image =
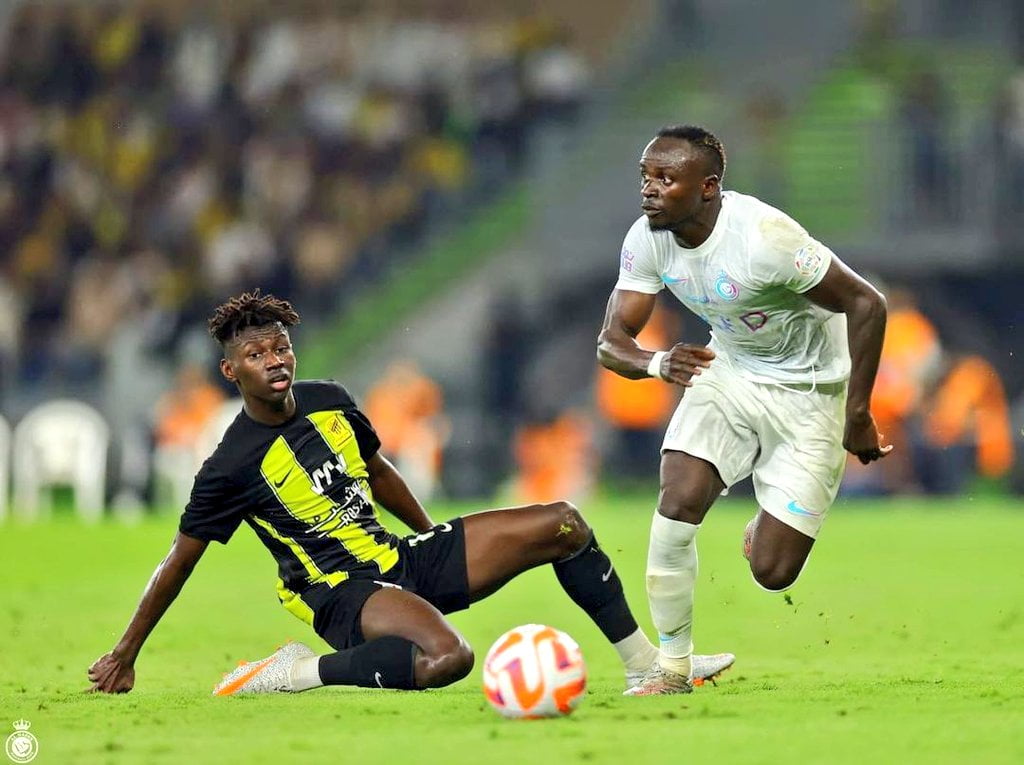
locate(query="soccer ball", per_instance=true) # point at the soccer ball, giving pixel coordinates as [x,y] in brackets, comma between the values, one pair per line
[534,671]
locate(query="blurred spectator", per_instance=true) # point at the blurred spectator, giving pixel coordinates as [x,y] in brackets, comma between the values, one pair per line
[638,410]
[181,414]
[910,364]
[925,114]
[966,428]
[1009,146]
[555,460]
[406,409]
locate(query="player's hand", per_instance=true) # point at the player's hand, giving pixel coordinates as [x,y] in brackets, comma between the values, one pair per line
[862,438]
[111,674]
[684,361]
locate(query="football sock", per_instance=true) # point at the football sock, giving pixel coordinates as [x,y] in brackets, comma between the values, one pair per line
[305,673]
[589,578]
[636,651]
[386,662]
[671,574]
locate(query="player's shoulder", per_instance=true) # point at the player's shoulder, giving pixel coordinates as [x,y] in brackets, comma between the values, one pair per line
[312,394]
[768,225]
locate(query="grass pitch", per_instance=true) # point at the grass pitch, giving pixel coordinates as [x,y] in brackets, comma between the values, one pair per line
[902,642]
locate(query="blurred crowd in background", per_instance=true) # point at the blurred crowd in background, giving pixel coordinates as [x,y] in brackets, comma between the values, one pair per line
[156,158]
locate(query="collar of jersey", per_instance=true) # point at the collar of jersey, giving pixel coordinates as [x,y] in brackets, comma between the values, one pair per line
[712,241]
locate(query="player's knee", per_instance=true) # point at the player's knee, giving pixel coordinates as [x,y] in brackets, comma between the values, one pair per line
[447,666]
[571,530]
[682,503]
[774,576]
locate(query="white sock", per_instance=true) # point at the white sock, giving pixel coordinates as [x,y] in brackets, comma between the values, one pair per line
[305,673]
[671,574]
[636,651]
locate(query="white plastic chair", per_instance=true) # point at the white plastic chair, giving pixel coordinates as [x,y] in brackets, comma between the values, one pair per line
[5,467]
[177,467]
[61,442]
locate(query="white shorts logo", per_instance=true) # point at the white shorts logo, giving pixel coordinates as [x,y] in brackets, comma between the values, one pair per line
[21,745]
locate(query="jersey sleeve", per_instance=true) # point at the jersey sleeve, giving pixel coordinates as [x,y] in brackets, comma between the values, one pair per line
[366,436]
[213,511]
[789,256]
[638,267]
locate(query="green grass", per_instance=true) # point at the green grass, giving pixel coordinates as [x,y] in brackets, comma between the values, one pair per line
[901,643]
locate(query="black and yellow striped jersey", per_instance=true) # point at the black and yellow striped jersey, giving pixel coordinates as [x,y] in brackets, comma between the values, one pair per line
[303,488]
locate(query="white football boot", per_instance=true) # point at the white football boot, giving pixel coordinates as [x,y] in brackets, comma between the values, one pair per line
[703,668]
[658,681]
[270,675]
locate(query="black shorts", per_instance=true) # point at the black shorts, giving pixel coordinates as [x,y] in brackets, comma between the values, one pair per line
[431,565]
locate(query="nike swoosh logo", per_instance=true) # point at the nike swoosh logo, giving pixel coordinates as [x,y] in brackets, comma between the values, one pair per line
[378,679]
[279,484]
[235,685]
[608,574]
[674,280]
[793,507]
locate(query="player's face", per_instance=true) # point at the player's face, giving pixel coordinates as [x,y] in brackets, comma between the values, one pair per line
[674,183]
[261,361]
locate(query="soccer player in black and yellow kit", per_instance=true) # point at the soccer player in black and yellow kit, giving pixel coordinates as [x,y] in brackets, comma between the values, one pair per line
[301,466]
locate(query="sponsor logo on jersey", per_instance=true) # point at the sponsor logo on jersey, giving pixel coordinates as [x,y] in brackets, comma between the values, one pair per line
[627,260]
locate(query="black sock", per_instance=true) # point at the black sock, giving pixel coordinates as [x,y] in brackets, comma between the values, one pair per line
[591,581]
[386,662]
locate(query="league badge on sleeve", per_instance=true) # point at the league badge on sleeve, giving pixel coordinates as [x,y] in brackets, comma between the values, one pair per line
[808,259]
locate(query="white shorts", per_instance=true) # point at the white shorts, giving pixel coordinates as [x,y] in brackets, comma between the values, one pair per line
[789,437]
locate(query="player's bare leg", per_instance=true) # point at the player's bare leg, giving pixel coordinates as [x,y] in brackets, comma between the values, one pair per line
[777,552]
[441,655]
[501,544]
[689,486]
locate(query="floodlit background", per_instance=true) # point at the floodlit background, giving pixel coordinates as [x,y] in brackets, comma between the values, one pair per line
[442,186]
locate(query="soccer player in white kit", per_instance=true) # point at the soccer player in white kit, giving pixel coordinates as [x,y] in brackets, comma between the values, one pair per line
[781,391]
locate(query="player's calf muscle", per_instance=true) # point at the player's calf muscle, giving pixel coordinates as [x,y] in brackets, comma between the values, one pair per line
[437,671]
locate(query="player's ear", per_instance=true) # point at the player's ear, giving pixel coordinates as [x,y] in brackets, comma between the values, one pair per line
[712,185]
[227,370]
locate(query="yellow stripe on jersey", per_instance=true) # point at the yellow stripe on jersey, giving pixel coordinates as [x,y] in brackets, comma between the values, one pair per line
[314,574]
[337,432]
[294,603]
[294,488]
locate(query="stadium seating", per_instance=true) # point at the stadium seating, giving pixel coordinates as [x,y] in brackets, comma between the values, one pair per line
[61,443]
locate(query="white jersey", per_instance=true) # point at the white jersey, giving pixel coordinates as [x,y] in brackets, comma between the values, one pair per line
[746,281]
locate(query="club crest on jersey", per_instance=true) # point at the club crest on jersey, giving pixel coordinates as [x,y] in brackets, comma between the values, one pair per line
[808,259]
[725,288]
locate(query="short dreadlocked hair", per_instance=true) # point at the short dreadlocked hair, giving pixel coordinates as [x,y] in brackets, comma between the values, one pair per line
[250,309]
[701,139]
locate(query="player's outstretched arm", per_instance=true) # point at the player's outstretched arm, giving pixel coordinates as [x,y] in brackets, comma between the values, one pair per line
[844,291]
[617,349]
[114,672]
[392,492]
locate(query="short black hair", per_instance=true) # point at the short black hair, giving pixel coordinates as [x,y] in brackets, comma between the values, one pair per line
[250,309]
[703,139]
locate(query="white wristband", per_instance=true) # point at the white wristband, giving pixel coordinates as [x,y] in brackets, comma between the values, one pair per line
[654,366]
